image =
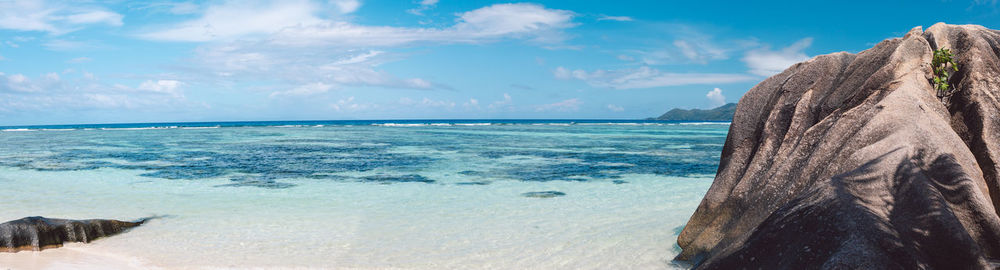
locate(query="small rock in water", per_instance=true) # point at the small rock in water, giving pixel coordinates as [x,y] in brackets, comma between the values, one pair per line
[619,182]
[543,194]
[476,183]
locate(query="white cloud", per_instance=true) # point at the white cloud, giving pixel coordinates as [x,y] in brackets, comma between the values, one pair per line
[568,105]
[472,103]
[716,98]
[346,6]
[19,83]
[183,8]
[426,103]
[14,43]
[615,18]
[616,108]
[176,8]
[95,17]
[417,83]
[294,24]
[697,51]
[348,105]
[70,45]
[169,87]
[505,104]
[689,45]
[251,41]
[503,19]
[646,77]
[17,78]
[50,91]
[358,58]
[424,6]
[79,60]
[235,19]
[53,17]
[562,73]
[686,49]
[304,90]
[765,62]
[296,67]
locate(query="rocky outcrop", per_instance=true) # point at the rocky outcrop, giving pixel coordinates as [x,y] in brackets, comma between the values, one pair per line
[38,233]
[852,161]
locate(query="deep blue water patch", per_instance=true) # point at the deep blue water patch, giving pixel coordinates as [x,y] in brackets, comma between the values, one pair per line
[388,179]
[249,181]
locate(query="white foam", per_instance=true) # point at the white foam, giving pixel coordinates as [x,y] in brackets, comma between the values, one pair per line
[400,125]
[141,128]
[704,123]
[620,124]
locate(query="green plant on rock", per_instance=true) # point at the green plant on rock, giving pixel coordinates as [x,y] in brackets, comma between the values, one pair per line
[942,63]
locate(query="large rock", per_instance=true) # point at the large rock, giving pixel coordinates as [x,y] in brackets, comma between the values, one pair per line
[852,161]
[38,233]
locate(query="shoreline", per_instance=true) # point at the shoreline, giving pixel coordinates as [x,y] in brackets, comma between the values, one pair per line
[635,228]
[72,256]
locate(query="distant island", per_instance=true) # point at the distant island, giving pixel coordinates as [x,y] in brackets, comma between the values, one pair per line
[721,113]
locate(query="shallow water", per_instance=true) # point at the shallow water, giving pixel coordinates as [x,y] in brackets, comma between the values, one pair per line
[444,195]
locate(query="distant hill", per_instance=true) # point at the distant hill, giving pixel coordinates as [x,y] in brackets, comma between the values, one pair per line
[721,113]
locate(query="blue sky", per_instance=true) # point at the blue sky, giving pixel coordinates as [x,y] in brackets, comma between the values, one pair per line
[133,61]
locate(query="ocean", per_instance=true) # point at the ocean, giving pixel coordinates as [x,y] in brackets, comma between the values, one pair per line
[402,194]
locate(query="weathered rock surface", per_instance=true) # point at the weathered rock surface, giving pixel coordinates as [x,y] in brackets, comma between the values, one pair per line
[38,233]
[852,161]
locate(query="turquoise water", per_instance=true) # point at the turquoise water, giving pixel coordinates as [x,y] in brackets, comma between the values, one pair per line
[365,194]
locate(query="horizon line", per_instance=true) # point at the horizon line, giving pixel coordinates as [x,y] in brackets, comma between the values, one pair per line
[361,120]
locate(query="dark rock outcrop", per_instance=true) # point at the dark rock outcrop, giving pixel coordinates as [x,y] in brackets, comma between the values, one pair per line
[543,194]
[721,113]
[851,161]
[38,233]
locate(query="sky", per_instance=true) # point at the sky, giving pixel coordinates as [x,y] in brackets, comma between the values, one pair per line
[75,62]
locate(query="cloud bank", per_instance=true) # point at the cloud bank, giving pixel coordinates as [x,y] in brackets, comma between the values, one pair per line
[646,77]
[765,62]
